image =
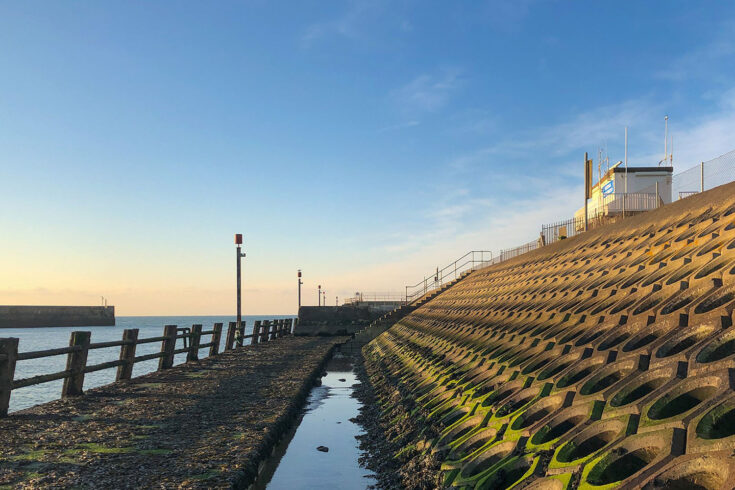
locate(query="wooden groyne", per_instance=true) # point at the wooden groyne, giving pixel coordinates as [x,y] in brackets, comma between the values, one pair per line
[80,344]
[206,423]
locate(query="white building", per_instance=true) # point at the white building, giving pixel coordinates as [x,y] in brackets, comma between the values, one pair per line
[607,197]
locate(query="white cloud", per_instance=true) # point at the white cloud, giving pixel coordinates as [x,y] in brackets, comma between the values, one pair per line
[700,62]
[428,92]
[394,127]
[508,15]
[348,25]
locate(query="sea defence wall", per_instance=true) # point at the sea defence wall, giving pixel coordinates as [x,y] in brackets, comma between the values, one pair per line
[335,320]
[56,316]
[605,360]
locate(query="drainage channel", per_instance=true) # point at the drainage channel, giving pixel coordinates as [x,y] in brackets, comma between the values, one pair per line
[325,423]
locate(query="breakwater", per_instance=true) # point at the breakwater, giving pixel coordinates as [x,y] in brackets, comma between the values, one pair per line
[334,320]
[12,316]
[604,360]
[209,423]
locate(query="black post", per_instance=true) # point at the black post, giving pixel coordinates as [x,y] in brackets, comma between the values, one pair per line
[300,283]
[241,334]
[8,356]
[216,336]
[240,255]
[75,363]
[230,339]
[168,346]
[194,341]
[256,332]
[127,354]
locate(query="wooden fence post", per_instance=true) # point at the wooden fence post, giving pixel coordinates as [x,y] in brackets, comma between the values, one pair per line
[76,361]
[127,354]
[8,356]
[295,324]
[230,339]
[241,333]
[281,327]
[289,324]
[216,336]
[274,328]
[194,341]
[256,332]
[264,330]
[168,346]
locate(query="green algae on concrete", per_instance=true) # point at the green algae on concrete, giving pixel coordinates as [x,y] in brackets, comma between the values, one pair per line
[632,321]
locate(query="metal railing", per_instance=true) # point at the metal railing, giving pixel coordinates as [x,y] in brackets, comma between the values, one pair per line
[509,253]
[80,344]
[469,261]
[375,297]
[561,230]
[619,203]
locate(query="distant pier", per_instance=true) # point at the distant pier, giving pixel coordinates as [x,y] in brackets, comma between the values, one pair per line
[12,316]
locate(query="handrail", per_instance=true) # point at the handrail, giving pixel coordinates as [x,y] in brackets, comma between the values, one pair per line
[80,345]
[440,275]
[375,297]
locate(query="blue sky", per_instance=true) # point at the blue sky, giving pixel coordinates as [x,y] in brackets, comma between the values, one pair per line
[365,142]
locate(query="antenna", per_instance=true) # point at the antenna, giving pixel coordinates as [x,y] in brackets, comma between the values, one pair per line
[666,137]
[626,163]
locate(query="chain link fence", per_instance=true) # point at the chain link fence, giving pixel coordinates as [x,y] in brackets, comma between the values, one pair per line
[705,176]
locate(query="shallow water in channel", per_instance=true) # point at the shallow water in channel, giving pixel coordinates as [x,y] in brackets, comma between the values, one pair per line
[297,464]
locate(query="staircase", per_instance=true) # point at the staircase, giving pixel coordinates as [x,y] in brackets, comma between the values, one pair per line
[389,319]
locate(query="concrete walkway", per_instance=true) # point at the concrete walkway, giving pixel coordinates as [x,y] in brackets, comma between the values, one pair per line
[199,425]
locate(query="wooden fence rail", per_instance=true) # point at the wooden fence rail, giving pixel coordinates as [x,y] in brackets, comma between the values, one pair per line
[80,344]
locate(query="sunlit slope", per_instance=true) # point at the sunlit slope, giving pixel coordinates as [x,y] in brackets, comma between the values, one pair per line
[600,361]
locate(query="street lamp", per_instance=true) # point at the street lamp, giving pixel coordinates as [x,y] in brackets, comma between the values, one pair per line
[240,255]
[300,283]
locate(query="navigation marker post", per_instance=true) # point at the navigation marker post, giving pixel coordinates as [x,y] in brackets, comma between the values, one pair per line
[240,255]
[300,283]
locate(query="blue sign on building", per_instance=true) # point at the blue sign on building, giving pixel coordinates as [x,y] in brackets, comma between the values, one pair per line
[608,188]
